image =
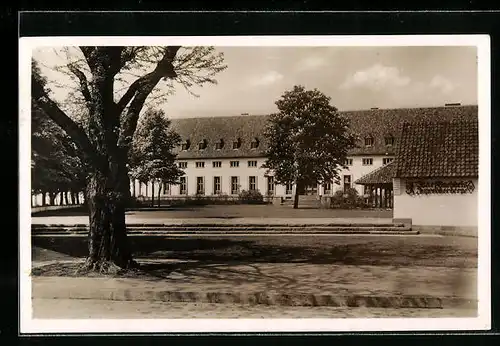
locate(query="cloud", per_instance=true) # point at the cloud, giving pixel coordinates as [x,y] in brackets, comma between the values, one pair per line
[312,62]
[376,77]
[268,78]
[441,83]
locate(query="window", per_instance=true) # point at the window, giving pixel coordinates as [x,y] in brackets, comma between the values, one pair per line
[387,160]
[389,141]
[186,144]
[217,164]
[289,187]
[252,183]
[166,189]
[347,182]
[202,145]
[252,163]
[327,187]
[237,144]
[234,163]
[200,186]
[348,162]
[254,144]
[183,164]
[367,162]
[235,187]
[200,164]
[368,141]
[270,185]
[217,185]
[220,144]
[183,186]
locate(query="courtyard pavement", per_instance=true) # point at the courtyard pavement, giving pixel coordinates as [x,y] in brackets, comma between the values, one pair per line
[285,284]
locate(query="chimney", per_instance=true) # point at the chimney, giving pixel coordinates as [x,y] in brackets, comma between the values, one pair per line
[452,104]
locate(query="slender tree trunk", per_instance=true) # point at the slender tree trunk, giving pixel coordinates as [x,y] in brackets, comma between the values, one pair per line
[44,200]
[73,199]
[152,193]
[61,198]
[159,191]
[77,197]
[66,197]
[52,198]
[298,189]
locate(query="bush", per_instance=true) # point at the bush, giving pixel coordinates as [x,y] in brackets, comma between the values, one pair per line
[251,197]
[348,200]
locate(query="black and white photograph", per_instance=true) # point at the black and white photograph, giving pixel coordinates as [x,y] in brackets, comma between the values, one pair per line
[267,183]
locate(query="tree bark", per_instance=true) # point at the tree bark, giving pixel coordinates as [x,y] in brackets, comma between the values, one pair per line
[108,242]
[73,199]
[61,198]
[77,195]
[66,197]
[44,200]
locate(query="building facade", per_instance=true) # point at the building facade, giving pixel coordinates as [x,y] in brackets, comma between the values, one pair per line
[224,155]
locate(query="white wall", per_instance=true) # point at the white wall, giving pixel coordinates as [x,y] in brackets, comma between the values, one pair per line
[357,170]
[436,209]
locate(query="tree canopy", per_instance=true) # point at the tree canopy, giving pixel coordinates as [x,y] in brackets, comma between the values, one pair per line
[308,139]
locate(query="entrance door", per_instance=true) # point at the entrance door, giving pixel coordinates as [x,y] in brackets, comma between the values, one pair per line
[311,190]
[347,182]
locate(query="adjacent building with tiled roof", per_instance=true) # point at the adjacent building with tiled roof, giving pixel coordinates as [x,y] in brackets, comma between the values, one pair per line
[439,149]
[380,176]
[436,173]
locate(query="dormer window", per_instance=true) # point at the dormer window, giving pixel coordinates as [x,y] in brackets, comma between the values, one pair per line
[220,144]
[369,141]
[186,144]
[202,145]
[389,141]
[237,144]
[254,144]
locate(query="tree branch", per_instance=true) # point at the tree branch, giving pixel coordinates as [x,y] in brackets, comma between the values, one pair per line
[140,90]
[84,85]
[77,134]
[163,69]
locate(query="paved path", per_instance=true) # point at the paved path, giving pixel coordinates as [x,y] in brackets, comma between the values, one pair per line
[97,309]
[296,283]
[137,219]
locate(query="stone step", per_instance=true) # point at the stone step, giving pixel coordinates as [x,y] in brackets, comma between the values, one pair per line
[225,225]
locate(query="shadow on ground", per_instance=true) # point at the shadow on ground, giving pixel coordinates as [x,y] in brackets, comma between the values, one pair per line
[355,250]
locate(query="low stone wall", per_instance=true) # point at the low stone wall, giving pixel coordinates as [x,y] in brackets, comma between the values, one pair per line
[53,207]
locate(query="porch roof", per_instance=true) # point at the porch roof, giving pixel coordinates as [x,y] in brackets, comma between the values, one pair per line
[382,175]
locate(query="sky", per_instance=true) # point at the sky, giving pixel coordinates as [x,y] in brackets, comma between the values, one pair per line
[354,77]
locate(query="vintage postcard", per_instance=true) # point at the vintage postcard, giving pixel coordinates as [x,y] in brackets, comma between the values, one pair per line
[255,184]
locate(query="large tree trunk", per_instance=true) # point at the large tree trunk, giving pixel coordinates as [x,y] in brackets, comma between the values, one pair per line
[73,198]
[108,243]
[66,197]
[61,198]
[44,199]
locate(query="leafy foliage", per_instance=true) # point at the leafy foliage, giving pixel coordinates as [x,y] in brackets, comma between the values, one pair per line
[151,156]
[309,140]
[251,197]
[348,199]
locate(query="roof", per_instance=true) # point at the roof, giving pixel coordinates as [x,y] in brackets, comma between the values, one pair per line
[377,123]
[438,149]
[382,175]
[228,128]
